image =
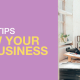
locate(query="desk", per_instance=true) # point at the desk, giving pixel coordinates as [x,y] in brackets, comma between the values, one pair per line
[71,55]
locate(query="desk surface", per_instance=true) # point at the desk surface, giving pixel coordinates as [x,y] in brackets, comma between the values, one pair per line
[72,55]
[69,65]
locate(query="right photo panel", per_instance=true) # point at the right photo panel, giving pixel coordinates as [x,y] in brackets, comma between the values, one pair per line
[69,39]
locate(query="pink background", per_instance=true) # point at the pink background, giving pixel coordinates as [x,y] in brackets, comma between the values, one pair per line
[30,18]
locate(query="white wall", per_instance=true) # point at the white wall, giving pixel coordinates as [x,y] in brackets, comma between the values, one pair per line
[76,20]
[61,51]
[69,19]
